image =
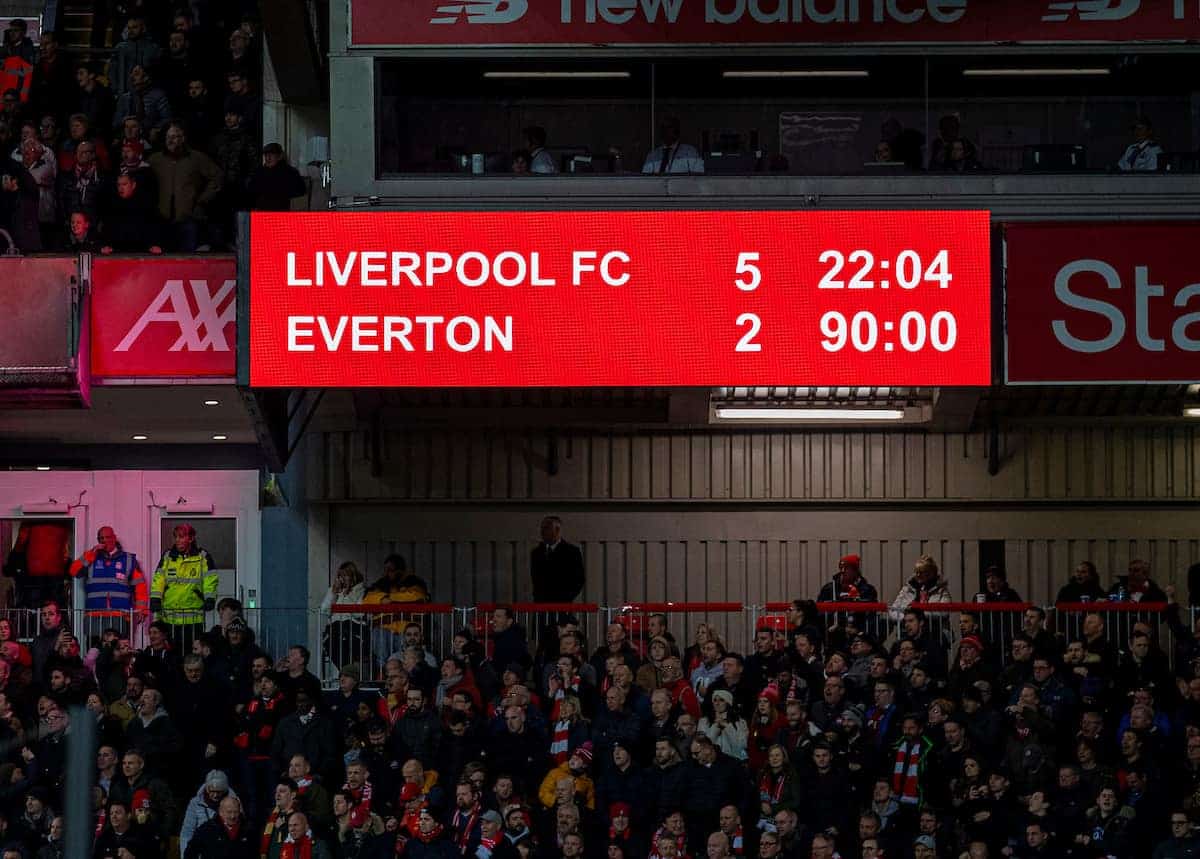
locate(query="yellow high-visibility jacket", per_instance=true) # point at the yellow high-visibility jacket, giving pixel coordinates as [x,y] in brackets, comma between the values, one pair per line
[183,582]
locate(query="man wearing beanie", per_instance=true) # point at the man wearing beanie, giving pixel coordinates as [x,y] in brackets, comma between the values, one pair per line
[576,767]
[204,806]
[848,585]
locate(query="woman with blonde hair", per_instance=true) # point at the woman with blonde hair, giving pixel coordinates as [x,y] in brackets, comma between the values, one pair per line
[345,634]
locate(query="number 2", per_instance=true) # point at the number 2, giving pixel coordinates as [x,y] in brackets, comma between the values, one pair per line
[747,344]
[746,265]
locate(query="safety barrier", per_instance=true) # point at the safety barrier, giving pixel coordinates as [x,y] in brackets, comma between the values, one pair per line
[368,635]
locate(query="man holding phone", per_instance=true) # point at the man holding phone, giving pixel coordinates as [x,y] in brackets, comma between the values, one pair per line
[114,585]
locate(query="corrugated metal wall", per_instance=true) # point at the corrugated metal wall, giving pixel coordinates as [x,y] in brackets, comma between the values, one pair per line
[756,517]
[1038,463]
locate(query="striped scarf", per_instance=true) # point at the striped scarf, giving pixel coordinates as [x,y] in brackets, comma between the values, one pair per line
[559,741]
[906,773]
[560,693]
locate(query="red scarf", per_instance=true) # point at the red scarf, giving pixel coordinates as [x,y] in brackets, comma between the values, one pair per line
[362,804]
[463,824]
[906,772]
[277,820]
[232,831]
[561,693]
[770,787]
[302,849]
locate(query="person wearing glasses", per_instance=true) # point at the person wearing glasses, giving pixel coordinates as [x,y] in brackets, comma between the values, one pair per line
[1183,841]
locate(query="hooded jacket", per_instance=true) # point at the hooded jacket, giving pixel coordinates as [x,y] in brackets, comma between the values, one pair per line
[199,811]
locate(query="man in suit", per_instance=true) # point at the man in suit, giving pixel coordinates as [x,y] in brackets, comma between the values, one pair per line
[556,566]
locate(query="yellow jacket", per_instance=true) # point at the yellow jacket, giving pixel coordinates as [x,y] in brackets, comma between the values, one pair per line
[182,584]
[583,785]
[408,589]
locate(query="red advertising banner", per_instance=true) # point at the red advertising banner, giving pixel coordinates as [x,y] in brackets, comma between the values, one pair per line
[614,299]
[163,318]
[648,22]
[1102,303]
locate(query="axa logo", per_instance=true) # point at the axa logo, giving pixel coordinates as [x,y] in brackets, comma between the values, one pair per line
[1092,10]
[202,330]
[481,12]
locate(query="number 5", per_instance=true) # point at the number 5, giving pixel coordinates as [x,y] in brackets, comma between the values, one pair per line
[746,265]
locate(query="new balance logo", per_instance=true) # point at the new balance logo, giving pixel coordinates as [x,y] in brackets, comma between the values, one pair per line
[1092,10]
[481,12]
[201,331]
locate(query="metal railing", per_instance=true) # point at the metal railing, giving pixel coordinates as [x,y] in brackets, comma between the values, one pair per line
[368,635]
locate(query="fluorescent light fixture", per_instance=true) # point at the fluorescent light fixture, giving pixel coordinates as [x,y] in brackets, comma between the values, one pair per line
[220,437]
[140,437]
[1191,412]
[794,414]
[43,468]
[1036,73]
[212,402]
[753,74]
[526,76]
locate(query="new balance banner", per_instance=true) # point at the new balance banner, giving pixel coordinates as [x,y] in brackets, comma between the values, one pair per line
[163,318]
[676,22]
[1102,303]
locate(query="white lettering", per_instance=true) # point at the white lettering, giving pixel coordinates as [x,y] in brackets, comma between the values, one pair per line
[947,11]
[341,276]
[493,333]
[1062,291]
[764,16]
[498,265]
[437,262]
[429,322]
[295,332]
[405,263]
[359,330]
[465,322]
[292,280]
[712,15]
[390,333]
[578,266]
[171,305]
[1143,292]
[373,262]
[670,9]
[1179,329]
[606,274]
[332,341]
[618,11]
[893,9]
[535,274]
[460,269]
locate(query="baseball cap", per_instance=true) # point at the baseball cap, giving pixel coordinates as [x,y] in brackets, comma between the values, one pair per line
[491,817]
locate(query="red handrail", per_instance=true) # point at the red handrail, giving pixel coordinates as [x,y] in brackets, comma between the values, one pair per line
[673,607]
[971,606]
[540,606]
[1105,605]
[393,608]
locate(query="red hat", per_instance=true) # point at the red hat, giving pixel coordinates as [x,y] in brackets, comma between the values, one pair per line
[584,753]
[770,692]
[409,792]
[852,561]
[620,809]
[136,145]
[972,641]
[141,799]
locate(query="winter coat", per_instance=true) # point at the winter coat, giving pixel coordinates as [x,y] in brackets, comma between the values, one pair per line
[22,206]
[272,188]
[420,733]
[437,848]
[81,192]
[212,841]
[237,156]
[199,811]
[1110,837]
[912,592]
[150,105]
[187,183]
[45,173]
[317,741]
[707,788]
[158,739]
[131,226]
[142,52]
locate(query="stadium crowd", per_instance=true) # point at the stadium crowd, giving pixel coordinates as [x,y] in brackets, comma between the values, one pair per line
[151,151]
[817,738]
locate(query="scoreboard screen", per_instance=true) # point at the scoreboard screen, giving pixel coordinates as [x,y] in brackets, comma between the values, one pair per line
[620,299]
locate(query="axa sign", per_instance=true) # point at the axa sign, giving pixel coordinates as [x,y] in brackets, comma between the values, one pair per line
[551,23]
[1102,303]
[163,318]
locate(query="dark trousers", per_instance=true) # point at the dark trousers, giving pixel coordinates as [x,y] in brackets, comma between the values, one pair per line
[182,636]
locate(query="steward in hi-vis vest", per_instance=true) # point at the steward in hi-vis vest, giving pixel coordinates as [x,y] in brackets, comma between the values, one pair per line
[114,584]
[184,587]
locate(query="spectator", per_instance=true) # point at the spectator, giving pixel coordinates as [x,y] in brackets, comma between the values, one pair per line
[136,49]
[924,587]
[275,183]
[178,66]
[120,832]
[240,98]
[310,733]
[226,836]
[131,225]
[144,100]
[906,144]
[396,585]
[188,183]
[1137,586]
[205,806]
[1084,585]
[672,156]
[199,117]
[1142,155]
[153,732]
[848,585]
[16,60]
[20,199]
[94,101]
[540,159]
[345,636]
[996,588]
[555,566]
[53,77]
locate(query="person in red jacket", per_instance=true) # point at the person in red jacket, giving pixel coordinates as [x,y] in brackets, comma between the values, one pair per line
[16,60]
[257,720]
[683,697]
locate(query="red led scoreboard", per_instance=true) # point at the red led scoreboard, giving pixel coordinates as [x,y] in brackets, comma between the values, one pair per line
[619,299]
